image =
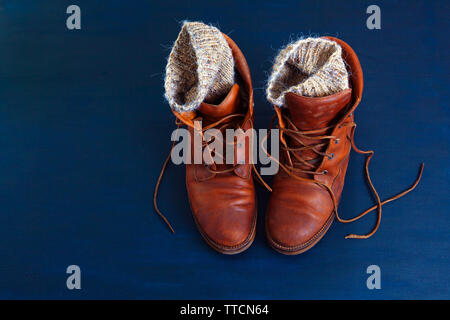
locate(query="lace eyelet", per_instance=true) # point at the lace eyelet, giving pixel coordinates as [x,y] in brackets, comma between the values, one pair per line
[331,156]
[325,171]
[337,141]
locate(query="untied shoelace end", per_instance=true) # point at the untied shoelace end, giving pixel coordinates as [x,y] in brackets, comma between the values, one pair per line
[355,236]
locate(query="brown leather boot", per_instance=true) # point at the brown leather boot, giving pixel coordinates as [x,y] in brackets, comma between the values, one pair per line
[316,137]
[222,197]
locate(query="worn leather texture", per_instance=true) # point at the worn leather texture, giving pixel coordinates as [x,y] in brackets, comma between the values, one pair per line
[223,204]
[300,211]
[85,130]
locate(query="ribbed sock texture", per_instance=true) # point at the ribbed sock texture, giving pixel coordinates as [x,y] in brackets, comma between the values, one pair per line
[310,67]
[200,67]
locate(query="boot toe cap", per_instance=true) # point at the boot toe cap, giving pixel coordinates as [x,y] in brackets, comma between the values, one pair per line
[227,218]
[300,232]
[296,222]
[228,229]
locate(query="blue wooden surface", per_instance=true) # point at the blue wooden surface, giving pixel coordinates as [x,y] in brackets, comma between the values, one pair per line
[84,130]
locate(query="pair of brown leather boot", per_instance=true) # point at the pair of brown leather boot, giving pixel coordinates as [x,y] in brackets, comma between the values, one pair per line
[316,137]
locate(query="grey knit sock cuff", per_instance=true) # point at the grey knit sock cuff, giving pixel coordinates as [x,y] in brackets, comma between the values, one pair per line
[200,67]
[310,67]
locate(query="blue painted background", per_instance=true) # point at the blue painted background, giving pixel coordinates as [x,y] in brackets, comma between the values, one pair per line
[84,130]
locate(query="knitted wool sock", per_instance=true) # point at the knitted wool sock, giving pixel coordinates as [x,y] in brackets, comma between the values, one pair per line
[310,67]
[200,67]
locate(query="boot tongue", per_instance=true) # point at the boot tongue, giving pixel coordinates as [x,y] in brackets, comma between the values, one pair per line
[230,104]
[211,113]
[311,113]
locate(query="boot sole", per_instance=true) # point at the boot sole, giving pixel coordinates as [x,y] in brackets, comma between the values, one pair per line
[303,247]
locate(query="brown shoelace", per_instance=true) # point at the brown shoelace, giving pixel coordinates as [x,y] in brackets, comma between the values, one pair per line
[298,164]
[302,165]
[205,144]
